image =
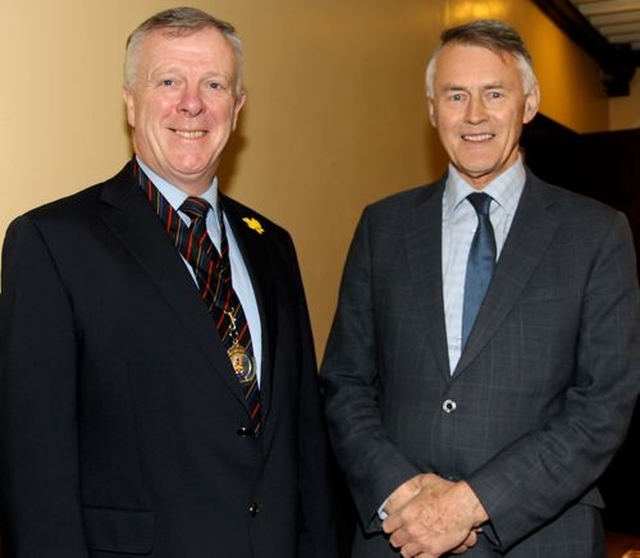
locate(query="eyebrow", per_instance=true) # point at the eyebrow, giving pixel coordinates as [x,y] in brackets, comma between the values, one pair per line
[485,87]
[181,70]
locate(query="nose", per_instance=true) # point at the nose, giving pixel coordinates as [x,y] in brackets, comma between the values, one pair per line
[191,101]
[476,111]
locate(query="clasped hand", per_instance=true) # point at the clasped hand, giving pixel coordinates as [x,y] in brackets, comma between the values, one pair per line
[429,516]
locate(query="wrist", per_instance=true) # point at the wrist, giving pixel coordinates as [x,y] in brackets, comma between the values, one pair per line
[478,514]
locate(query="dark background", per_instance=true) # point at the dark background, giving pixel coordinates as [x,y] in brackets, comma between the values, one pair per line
[604,166]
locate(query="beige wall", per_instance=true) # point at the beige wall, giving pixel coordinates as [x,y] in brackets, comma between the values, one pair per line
[335,116]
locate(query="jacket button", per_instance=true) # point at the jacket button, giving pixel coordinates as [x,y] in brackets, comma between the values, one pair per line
[254,509]
[449,406]
[244,432]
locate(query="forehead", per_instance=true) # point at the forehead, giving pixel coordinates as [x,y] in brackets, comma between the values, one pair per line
[461,64]
[203,46]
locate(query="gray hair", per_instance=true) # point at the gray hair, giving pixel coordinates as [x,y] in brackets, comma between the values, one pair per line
[181,22]
[492,34]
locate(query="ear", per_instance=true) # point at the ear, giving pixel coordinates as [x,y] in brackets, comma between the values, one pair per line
[531,104]
[432,112]
[238,106]
[127,96]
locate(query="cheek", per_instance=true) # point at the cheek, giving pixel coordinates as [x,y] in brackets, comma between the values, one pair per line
[447,121]
[155,109]
[517,124]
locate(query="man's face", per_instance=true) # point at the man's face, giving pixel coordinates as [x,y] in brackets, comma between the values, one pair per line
[182,105]
[479,107]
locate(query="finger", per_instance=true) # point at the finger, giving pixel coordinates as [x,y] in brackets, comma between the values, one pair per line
[411,550]
[392,523]
[398,538]
[471,540]
[389,526]
[468,543]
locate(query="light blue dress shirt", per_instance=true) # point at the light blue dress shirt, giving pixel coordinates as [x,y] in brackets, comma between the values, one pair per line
[239,275]
[459,223]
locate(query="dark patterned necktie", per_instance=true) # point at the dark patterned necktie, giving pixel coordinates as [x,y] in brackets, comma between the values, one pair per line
[480,265]
[213,275]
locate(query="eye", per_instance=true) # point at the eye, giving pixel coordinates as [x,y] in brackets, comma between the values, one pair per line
[457,97]
[495,94]
[216,86]
[167,82]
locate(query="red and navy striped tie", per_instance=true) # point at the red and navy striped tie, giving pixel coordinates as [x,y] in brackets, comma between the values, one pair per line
[213,275]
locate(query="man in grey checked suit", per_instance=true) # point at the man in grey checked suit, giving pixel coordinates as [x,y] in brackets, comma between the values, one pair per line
[495,442]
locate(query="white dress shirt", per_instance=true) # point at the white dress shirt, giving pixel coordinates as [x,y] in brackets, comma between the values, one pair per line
[239,275]
[459,223]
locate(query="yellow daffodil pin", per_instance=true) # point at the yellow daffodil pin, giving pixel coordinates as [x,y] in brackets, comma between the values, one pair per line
[253,224]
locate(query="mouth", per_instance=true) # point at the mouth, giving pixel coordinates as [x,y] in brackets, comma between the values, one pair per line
[189,134]
[477,138]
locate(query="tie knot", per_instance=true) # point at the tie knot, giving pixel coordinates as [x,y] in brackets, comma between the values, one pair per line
[194,207]
[480,202]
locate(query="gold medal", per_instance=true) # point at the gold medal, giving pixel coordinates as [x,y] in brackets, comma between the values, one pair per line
[242,363]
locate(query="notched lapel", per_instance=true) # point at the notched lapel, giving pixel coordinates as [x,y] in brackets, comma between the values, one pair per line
[423,234]
[134,222]
[531,233]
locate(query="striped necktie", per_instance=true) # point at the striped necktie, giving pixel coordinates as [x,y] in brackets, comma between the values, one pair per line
[213,276]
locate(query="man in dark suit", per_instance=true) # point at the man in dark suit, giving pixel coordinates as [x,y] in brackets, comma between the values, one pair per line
[134,418]
[481,430]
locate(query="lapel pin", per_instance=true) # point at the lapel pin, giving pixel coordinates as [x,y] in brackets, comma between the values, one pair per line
[253,224]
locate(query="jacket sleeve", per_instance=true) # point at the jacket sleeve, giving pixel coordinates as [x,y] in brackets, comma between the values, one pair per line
[373,465]
[555,466]
[39,488]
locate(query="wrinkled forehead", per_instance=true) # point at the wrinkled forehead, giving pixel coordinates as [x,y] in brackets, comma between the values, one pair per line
[207,49]
[470,52]
[465,62]
[202,38]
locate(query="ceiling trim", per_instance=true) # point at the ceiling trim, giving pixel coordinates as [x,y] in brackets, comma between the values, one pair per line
[617,62]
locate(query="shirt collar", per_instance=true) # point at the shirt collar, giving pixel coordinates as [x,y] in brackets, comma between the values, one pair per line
[506,189]
[174,195]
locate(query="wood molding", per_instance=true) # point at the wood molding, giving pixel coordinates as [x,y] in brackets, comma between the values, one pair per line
[618,63]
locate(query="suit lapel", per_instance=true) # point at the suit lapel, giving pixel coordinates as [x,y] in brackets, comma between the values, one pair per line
[532,230]
[424,251]
[134,222]
[255,249]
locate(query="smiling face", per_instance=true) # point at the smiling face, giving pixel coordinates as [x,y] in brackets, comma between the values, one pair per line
[479,106]
[182,105]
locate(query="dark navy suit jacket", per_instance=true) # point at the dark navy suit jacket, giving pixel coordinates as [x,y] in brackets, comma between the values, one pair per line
[121,423]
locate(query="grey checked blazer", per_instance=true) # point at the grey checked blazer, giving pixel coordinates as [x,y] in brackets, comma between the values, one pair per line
[543,392]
